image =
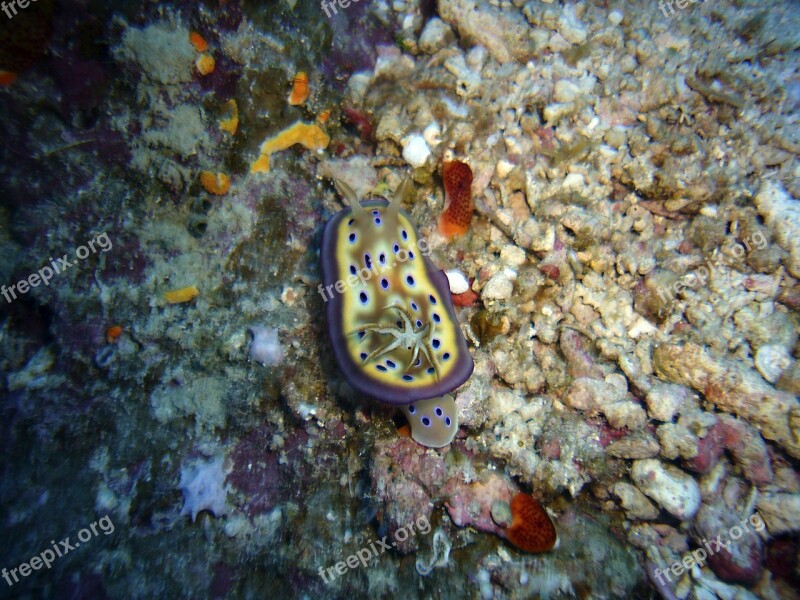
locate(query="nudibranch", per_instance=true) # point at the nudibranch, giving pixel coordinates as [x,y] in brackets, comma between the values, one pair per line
[433,422]
[390,318]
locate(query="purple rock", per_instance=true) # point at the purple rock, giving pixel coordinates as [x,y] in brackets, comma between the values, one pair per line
[735,552]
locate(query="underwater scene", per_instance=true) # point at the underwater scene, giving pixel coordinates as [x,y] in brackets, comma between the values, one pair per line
[469,299]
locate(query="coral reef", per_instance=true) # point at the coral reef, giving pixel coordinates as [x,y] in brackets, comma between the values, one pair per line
[607,194]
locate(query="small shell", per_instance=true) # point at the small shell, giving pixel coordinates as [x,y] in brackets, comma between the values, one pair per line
[432,134]
[458,283]
[504,167]
[415,150]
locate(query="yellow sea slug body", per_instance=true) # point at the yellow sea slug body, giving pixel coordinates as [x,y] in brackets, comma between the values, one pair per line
[390,317]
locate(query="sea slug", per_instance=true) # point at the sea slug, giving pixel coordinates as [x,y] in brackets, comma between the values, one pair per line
[390,317]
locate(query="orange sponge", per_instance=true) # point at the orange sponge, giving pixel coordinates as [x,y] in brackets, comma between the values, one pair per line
[299,89]
[215,183]
[197,41]
[205,64]
[457,214]
[531,529]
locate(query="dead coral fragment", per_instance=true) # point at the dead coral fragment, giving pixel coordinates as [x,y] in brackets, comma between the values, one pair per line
[531,529]
[182,295]
[309,135]
[299,89]
[215,183]
[457,214]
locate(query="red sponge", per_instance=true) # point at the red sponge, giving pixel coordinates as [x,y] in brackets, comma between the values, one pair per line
[531,529]
[457,214]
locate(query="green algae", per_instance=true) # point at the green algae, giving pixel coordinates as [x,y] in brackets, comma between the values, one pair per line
[574,54]
[486,325]
[569,153]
